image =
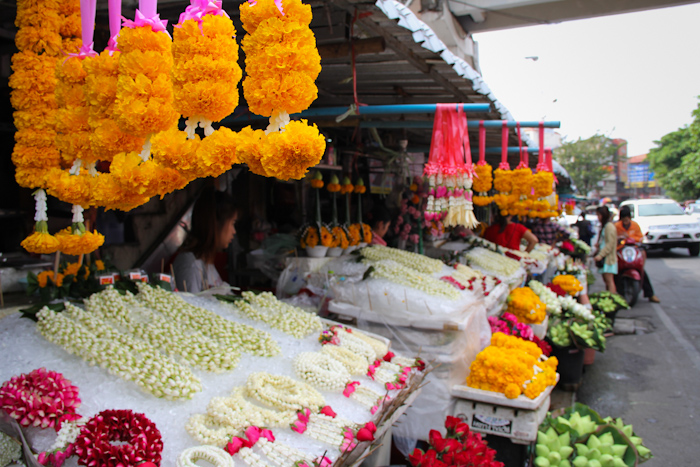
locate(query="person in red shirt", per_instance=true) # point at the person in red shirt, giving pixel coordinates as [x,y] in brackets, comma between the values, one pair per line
[381,221]
[506,233]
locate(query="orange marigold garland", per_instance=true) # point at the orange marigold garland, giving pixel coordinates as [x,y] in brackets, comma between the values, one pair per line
[282,64]
[205,71]
[526,306]
[75,240]
[41,241]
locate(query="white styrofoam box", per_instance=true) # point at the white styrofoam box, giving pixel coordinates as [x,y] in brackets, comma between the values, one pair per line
[517,424]
[540,330]
[498,398]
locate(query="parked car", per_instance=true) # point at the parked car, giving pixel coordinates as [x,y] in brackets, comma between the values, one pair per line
[693,209]
[665,224]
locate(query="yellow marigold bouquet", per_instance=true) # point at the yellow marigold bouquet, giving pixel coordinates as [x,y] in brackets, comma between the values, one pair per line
[526,306]
[340,237]
[72,127]
[543,183]
[484,178]
[503,180]
[508,366]
[309,237]
[354,234]
[79,242]
[569,283]
[522,181]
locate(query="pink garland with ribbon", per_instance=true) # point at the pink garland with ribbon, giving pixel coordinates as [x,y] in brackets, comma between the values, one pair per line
[146,15]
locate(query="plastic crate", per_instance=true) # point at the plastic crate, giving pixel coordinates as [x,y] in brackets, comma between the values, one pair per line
[519,425]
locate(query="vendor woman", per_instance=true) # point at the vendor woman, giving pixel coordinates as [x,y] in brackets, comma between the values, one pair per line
[508,234]
[381,221]
[212,229]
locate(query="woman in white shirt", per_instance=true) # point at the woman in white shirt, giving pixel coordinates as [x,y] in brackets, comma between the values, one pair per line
[211,230]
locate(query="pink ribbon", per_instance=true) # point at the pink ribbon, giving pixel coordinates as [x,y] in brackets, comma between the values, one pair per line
[83,52]
[277,2]
[201,8]
[115,23]
[156,24]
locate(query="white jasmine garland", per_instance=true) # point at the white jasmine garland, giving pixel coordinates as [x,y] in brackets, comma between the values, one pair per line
[415,261]
[356,345]
[251,458]
[67,434]
[282,392]
[399,274]
[321,371]
[211,454]
[237,412]
[204,429]
[281,454]
[40,206]
[549,298]
[327,429]
[570,304]
[91,338]
[493,262]
[355,364]
[132,317]
[379,347]
[365,396]
[386,372]
[287,318]
[464,273]
[225,332]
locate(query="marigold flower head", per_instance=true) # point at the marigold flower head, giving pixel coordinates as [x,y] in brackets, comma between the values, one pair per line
[327,238]
[78,244]
[44,277]
[483,179]
[41,243]
[289,154]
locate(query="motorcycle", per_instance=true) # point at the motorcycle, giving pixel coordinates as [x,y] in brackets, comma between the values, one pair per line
[630,269]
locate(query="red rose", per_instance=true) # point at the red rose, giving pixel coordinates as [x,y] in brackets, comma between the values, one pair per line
[451,423]
[416,457]
[437,441]
[389,355]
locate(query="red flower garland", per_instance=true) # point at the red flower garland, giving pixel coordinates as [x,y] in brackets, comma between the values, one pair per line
[41,398]
[94,448]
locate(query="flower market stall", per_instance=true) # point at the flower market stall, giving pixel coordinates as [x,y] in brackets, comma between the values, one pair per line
[125,353]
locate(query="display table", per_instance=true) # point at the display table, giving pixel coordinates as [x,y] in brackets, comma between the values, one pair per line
[27,350]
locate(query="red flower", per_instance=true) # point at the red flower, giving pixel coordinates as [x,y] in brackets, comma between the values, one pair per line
[416,457]
[451,423]
[557,289]
[326,410]
[389,355]
[437,441]
[366,433]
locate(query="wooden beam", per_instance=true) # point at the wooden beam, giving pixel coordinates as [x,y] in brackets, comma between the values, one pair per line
[372,45]
[403,51]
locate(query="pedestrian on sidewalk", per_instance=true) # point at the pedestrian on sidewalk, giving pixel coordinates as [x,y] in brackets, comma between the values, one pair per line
[606,255]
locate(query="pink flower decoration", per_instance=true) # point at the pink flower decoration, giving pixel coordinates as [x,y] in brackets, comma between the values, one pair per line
[298,426]
[265,433]
[154,22]
[198,9]
[350,388]
[326,410]
[235,445]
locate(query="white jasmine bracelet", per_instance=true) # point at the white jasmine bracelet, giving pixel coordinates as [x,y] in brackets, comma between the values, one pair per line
[356,345]
[380,348]
[206,430]
[251,458]
[281,454]
[211,454]
[282,392]
[355,364]
[321,371]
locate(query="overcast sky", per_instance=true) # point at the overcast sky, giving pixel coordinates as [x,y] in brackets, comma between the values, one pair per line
[634,76]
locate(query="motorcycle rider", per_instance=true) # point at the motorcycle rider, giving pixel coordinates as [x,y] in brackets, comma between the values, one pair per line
[627,228]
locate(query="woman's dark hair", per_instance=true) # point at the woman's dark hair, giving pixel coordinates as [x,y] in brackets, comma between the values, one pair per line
[379,214]
[604,214]
[210,212]
[502,222]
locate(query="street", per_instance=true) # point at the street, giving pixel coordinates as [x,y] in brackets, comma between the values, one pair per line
[651,378]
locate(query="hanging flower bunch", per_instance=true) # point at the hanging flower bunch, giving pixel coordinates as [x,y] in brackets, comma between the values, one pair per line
[362,231]
[449,170]
[205,71]
[483,182]
[508,366]
[282,63]
[41,32]
[41,241]
[353,232]
[526,306]
[459,447]
[41,398]
[75,240]
[140,440]
[569,283]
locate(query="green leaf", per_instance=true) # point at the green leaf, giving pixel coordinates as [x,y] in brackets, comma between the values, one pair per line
[368,273]
[228,298]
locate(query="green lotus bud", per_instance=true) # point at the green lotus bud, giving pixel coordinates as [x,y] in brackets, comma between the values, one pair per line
[593,442]
[318,175]
[618,450]
[580,461]
[541,450]
[636,440]
[542,438]
[334,179]
[581,449]
[564,463]
[605,448]
[627,430]
[618,462]
[346,181]
[542,462]
[607,438]
[565,439]
[594,463]
[554,458]
[606,460]
[594,454]
[643,451]
[566,451]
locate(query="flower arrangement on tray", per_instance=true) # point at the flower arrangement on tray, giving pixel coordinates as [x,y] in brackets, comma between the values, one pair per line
[459,447]
[578,436]
[512,366]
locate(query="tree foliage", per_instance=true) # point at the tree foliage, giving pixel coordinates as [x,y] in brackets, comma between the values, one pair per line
[676,161]
[588,161]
